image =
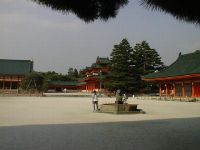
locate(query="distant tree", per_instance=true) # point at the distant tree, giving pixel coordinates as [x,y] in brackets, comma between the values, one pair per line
[53,76]
[70,72]
[120,76]
[34,81]
[73,74]
[81,73]
[39,80]
[76,75]
[146,60]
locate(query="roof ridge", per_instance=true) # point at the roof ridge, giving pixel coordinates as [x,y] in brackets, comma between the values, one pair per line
[183,65]
[192,53]
[16,59]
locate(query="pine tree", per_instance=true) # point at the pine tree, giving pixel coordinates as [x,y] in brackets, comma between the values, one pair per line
[76,73]
[146,60]
[120,76]
[70,72]
[88,10]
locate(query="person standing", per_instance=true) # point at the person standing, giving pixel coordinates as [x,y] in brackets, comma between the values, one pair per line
[95,100]
[125,98]
[119,97]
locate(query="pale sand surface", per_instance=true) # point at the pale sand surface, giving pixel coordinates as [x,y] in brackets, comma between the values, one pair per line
[16,111]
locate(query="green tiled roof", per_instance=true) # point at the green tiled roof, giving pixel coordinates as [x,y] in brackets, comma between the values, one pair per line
[67,83]
[95,65]
[81,83]
[186,64]
[102,60]
[15,67]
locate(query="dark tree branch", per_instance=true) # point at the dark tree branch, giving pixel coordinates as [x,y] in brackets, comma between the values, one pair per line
[88,10]
[187,10]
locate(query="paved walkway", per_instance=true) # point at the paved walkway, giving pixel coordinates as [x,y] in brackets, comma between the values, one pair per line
[173,134]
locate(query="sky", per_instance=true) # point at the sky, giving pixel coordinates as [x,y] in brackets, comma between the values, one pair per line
[57,41]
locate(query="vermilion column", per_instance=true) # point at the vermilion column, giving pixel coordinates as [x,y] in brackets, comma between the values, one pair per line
[160,89]
[17,88]
[3,86]
[10,86]
[183,90]
[174,88]
[17,85]
[192,89]
[167,89]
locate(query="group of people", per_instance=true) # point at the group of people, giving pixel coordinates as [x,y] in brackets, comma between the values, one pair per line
[121,98]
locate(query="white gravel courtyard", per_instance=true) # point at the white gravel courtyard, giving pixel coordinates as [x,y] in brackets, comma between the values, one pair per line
[64,110]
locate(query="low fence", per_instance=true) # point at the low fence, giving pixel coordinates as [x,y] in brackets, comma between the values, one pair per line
[167,98]
[16,92]
[73,94]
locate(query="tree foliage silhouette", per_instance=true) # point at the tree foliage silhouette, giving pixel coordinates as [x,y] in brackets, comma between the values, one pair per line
[88,10]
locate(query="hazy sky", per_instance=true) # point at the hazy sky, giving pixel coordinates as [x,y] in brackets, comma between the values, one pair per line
[56,41]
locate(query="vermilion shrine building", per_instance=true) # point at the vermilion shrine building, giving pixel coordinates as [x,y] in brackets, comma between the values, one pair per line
[91,81]
[12,72]
[95,74]
[181,78]
[68,85]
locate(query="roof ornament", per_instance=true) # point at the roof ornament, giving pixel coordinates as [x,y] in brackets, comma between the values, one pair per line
[179,54]
[197,51]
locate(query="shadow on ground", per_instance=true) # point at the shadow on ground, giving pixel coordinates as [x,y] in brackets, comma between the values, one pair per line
[171,134]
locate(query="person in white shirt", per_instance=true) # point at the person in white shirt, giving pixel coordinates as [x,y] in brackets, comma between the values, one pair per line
[124,98]
[95,100]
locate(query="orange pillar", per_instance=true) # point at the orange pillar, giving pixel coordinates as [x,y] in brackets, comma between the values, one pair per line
[183,90]
[10,86]
[167,89]
[3,87]
[174,88]
[160,89]
[17,88]
[193,89]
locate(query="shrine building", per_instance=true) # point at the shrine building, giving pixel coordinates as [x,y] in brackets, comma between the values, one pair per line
[181,78]
[95,74]
[59,86]
[92,80]
[12,72]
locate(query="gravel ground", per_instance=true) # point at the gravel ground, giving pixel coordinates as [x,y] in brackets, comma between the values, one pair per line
[15,111]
